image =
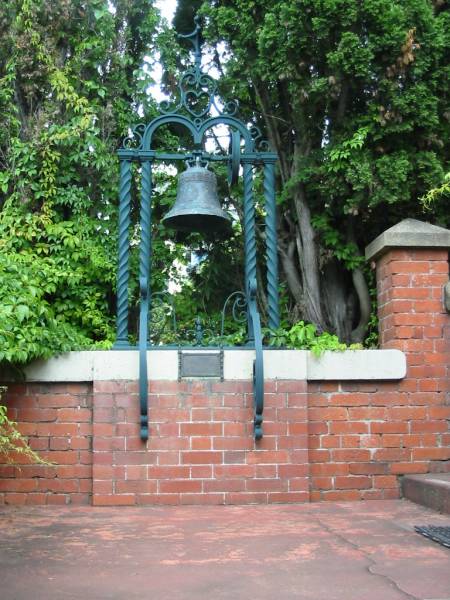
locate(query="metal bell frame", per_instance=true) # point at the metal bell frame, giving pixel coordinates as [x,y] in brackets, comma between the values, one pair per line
[194,87]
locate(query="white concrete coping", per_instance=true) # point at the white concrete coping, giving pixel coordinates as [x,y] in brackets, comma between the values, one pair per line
[368,365]
[351,365]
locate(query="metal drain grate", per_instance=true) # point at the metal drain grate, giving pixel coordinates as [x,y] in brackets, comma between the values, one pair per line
[441,535]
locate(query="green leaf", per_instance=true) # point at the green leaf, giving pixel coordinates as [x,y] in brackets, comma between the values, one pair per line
[22,312]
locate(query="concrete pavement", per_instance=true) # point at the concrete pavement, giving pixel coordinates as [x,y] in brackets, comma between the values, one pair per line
[330,551]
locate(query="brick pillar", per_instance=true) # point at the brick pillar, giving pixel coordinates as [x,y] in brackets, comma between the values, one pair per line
[412,262]
[411,311]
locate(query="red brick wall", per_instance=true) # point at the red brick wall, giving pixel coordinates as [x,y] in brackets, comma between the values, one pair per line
[324,441]
[57,419]
[362,436]
[201,448]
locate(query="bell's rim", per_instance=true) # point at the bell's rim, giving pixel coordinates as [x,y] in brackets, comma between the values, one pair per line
[199,223]
[186,212]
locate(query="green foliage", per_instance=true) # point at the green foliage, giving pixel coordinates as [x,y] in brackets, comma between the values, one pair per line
[354,97]
[72,81]
[341,154]
[304,336]
[12,443]
[442,192]
[51,297]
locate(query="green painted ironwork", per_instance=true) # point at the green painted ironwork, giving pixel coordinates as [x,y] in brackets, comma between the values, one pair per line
[249,224]
[144,279]
[197,90]
[197,97]
[238,302]
[271,243]
[146,219]
[234,152]
[249,235]
[143,377]
[124,252]
[258,363]
[195,38]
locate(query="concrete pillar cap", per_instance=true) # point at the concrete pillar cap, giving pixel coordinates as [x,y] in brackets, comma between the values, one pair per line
[409,233]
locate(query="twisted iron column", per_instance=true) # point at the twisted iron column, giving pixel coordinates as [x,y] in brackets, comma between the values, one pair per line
[249,234]
[271,244]
[249,224]
[144,284]
[145,220]
[124,252]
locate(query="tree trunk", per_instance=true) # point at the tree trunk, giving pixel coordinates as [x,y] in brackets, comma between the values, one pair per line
[336,293]
[308,261]
[362,290]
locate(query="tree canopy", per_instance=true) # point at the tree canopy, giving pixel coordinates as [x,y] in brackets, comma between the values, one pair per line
[352,95]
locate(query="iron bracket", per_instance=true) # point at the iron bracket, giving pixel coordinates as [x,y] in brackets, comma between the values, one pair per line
[258,363]
[143,335]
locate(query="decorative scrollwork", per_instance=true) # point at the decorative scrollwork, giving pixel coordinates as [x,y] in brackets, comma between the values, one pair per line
[199,334]
[238,309]
[197,90]
[231,108]
[134,140]
[197,95]
[261,144]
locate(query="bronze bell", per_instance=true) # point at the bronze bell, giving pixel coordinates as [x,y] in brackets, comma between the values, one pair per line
[197,207]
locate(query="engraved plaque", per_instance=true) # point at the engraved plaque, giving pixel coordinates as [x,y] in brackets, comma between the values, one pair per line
[200,363]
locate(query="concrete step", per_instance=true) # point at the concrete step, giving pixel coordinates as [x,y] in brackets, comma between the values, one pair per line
[432,490]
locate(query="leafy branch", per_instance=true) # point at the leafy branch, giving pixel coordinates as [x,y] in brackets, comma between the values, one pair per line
[305,336]
[12,443]
[432,196]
